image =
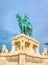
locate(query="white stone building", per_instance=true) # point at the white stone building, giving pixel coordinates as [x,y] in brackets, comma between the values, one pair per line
[24,51]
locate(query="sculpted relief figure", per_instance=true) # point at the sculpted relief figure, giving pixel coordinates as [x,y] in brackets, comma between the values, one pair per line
[44,51]
[4,49]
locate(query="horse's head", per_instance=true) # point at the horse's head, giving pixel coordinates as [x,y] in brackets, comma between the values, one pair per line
[18,17]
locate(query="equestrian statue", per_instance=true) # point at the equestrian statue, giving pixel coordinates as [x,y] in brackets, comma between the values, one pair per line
[24,25]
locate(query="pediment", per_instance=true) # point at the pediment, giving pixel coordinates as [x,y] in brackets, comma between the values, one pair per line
[25,37]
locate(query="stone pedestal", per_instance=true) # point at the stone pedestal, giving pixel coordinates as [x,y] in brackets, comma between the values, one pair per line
[25,54]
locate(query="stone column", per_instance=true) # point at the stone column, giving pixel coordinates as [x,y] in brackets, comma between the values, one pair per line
[37,49]
[31,48]
[22,45]
[13,47]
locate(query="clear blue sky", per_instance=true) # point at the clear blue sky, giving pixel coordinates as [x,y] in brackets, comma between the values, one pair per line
[36,10]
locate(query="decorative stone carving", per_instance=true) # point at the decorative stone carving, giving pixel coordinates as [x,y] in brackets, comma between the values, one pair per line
[4,49]
[44,51]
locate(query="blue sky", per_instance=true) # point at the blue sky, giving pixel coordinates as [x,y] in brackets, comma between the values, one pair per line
[36,10]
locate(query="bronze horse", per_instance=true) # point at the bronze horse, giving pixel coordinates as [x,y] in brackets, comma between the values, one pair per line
[24,24]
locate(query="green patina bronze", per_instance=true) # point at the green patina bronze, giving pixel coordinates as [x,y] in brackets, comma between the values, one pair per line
[24,24]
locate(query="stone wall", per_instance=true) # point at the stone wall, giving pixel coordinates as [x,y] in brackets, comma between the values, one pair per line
[36,61]
[23,59]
